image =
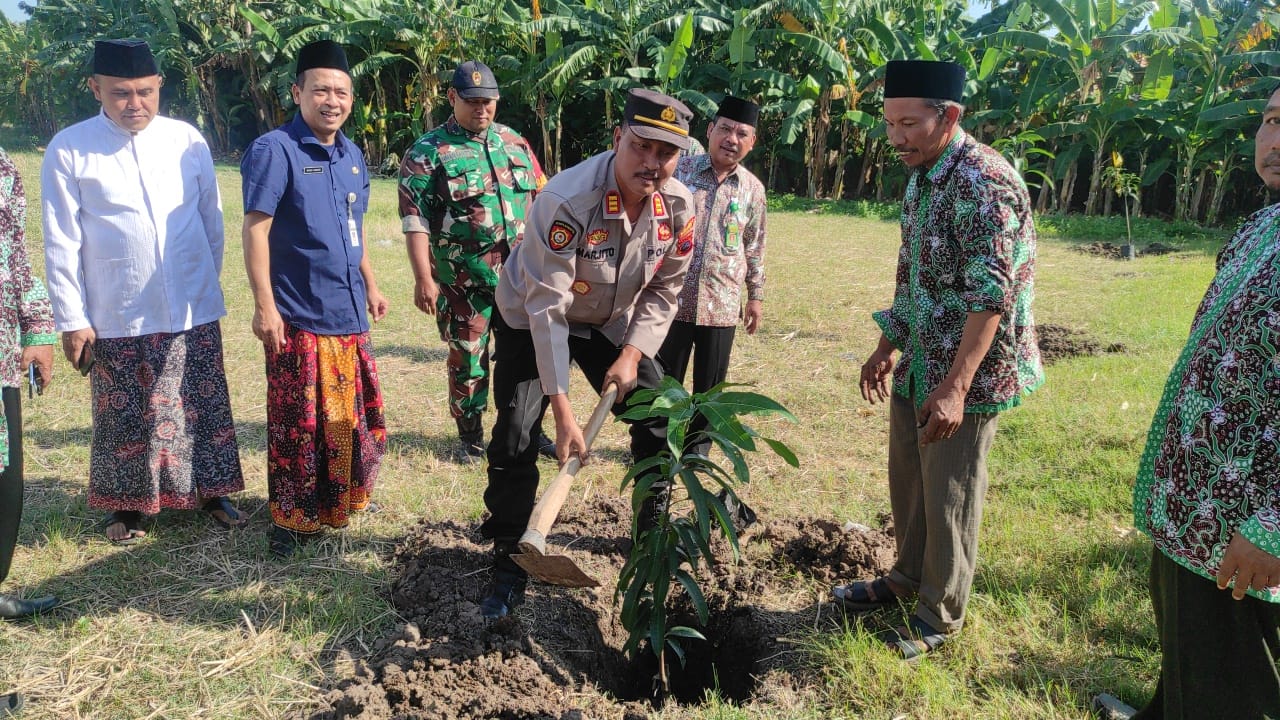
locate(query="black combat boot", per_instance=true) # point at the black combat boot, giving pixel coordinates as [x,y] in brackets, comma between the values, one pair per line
[471,438]
[506,591]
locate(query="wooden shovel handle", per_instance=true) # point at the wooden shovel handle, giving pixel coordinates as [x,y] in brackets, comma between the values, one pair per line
[548,508]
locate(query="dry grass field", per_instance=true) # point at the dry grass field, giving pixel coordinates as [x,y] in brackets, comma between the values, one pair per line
[193,623]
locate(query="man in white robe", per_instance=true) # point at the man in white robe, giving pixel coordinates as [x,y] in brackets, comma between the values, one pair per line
[133,250]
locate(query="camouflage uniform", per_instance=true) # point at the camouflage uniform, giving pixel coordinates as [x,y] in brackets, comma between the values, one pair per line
[469,193]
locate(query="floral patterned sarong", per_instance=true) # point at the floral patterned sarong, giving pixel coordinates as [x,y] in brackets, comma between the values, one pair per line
[162,430]
[326,431]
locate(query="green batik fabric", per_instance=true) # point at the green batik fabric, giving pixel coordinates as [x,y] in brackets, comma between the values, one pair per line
[471,194]
[968,245]
[1211,465]
[26,317]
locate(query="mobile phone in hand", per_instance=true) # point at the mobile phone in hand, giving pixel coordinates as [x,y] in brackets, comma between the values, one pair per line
[85,363]
[35,384]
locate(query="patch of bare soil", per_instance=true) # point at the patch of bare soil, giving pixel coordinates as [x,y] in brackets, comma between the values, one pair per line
[559,656]
[1111,250]
[1057,342]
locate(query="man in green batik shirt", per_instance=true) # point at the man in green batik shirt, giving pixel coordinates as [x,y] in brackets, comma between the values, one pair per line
[1208,487]
[961,317]
[465,188]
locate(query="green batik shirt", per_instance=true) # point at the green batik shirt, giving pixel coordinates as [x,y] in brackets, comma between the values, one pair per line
[470,193]
[1211,466]
[968,245]
[26,317]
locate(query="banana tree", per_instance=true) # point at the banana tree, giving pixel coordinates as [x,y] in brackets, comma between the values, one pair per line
[1085,67]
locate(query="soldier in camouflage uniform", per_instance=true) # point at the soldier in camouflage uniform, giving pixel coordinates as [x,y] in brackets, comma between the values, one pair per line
[465,187]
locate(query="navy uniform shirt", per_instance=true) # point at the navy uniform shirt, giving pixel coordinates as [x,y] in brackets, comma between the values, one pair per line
[317,196]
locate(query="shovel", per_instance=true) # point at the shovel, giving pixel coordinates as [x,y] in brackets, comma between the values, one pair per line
[560,569]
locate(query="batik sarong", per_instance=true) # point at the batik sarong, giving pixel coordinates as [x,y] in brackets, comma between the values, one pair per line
[325,429]
[162,430]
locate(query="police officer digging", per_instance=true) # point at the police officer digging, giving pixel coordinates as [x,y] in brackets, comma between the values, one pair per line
[595,282]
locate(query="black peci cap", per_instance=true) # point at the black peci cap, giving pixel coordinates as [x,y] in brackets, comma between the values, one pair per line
[930,79]
[123,59]
[474,79]
[322,54]
[739,110]
[655,116]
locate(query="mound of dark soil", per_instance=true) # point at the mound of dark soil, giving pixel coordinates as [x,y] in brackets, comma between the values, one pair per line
[559,656]
[1111,250]
[1057,343]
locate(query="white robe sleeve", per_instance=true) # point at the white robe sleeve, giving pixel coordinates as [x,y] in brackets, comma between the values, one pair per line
[62,240]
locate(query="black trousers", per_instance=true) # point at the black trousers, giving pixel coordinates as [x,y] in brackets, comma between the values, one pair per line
[710,363]
[520,405]
[11,481]
[1218,655]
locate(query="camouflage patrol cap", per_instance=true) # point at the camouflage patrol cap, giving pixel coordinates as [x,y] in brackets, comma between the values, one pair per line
[474,79]
[655,116]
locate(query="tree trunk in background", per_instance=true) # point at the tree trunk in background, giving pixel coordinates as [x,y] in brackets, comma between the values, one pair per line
[1095,181]
[1067,189]
[879,175]
[1197,201]
[1042,199]
[1182,188]
[1046,190]
[559,160]
[816,152]
[548,160]
[379,140]
[864,173]
[1142,172]
[220,143]
[1220,189]
[266,108]
[846,139]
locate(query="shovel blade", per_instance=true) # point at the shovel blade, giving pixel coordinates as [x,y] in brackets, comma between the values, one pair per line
[554,569]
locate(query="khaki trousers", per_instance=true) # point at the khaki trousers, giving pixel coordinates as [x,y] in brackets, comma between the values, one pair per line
[936,493]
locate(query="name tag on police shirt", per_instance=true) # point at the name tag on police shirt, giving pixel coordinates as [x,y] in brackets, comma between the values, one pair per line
[312,170]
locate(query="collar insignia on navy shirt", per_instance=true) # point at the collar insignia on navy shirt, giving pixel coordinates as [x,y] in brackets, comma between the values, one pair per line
[312,170]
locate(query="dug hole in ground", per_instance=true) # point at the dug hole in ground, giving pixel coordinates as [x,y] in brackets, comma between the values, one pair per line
[560,654]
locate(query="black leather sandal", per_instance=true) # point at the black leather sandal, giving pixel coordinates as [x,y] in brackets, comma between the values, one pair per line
[132,522]
[223,505]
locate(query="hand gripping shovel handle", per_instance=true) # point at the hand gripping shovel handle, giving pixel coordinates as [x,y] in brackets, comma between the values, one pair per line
[545,512]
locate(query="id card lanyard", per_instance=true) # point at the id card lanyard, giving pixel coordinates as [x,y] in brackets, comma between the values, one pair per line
[351,220]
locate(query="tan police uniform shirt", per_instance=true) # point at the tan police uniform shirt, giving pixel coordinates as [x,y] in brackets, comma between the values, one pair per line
[583,265]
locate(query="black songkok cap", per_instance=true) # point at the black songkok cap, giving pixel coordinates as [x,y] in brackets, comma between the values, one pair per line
[739,110]
[123,59]
[322,54]
[474,79]
[655,116]
[929,79]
